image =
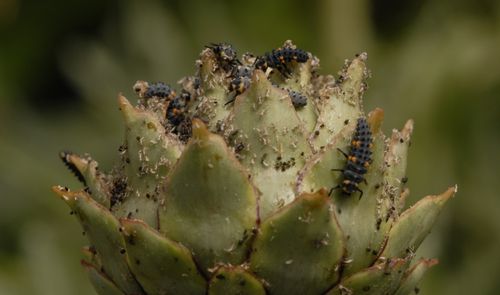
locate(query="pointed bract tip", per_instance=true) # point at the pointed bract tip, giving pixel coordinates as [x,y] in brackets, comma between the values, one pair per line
[375,119]
[63,192]
[207,63]
[75,164]
[363,56]
[422,262]
[358,62]
[200,130]
[122,100]
[80,163]
[449,193]
[68,196]
[442,198]
[87,265]
[207,53]
[407,129]
[430,262]
[402,136]
[126,107]
[403,196]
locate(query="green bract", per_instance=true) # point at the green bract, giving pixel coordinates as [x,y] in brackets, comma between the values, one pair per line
[242,206]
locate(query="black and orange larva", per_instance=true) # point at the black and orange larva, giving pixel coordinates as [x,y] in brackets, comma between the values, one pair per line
[177,108]
[226,55]
[358,159]
[160,90]
[240,82]
[178,120]
[280,58]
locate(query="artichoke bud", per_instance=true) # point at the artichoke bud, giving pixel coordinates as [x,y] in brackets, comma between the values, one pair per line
[258,175]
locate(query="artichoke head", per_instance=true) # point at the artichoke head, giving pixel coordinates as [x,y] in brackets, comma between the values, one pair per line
[260,176]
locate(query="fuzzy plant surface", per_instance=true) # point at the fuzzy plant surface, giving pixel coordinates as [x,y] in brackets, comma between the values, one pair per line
[258,176]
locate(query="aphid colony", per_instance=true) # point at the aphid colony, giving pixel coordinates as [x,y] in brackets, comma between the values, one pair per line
[239,79]
[358,160]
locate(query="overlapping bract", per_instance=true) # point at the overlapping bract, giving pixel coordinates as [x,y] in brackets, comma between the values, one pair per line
[242,207]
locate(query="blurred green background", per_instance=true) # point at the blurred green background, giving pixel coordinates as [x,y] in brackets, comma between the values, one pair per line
[62,63]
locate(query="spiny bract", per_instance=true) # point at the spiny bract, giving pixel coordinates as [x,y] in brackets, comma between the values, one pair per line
[212,197]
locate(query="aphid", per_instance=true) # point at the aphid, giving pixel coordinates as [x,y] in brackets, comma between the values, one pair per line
[226,55]
[65,158]
[118,191]
[239,147]
[358,160]
[298,99]
[160,90]
[280,58]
